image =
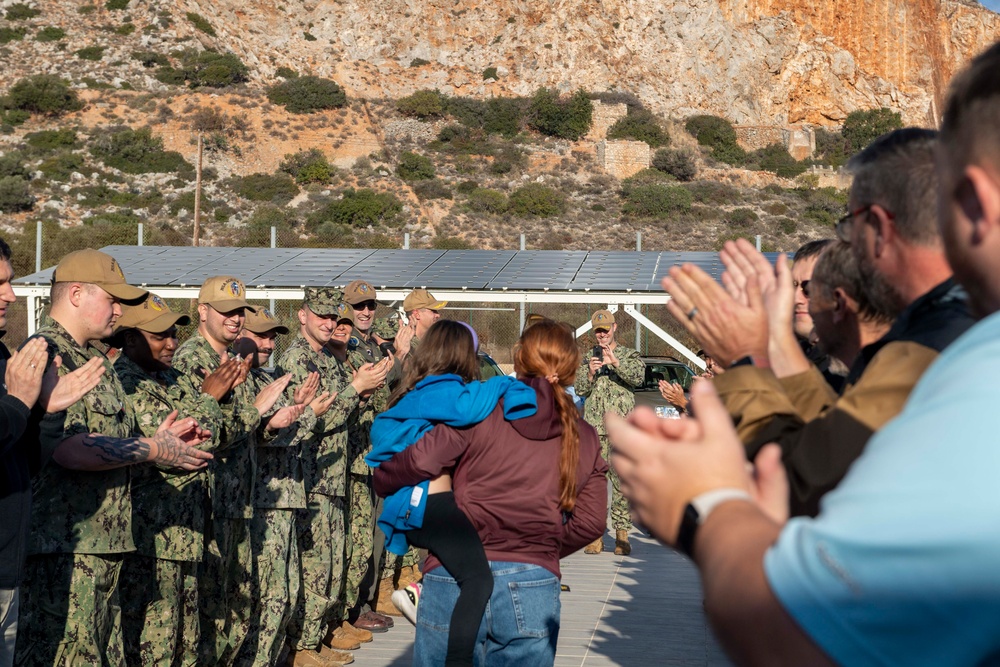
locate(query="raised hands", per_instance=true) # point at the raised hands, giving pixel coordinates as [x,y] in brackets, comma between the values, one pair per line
[25,369]
[60,392]
[673,393]
[268,395]
[284,417]
[175,444]
[223,379]
[322,403]
[306,392]
[369,377]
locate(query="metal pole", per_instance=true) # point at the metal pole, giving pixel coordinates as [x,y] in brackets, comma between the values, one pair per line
[140,234]
[406,240]
[638,241]
[521,309]
[274,244]
[197,195]
[38,246]
[758,243]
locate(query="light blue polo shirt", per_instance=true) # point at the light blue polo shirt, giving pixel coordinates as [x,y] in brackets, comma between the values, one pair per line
[902,566]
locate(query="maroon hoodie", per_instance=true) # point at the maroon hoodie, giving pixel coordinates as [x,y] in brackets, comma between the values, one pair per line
[506,480]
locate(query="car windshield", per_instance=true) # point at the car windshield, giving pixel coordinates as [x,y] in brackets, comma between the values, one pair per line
[671,372]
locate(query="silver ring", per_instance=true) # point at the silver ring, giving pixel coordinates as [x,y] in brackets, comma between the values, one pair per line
[32,365]
[692,313]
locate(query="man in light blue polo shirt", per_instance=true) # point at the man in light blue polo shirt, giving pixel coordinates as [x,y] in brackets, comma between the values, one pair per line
[901,565]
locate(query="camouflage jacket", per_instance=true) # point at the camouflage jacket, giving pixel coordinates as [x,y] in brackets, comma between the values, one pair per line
[324,453]
[280,483]
[360,352]
[74,511]
[168,507]
[234,468]
[612,389]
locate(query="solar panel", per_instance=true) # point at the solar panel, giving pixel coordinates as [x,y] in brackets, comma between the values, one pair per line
[318,267]
[392,268]
[616,271]
[540,269]
[457,269]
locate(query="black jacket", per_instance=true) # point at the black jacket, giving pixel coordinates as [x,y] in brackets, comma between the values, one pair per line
[15,482]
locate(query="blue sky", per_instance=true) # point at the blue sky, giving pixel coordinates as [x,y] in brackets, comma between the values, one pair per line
[992,4]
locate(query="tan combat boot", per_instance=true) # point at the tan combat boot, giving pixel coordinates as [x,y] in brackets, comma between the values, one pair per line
[595,547]
[335,658]
[306,658]
[341,641]
[348,630]
[622,547]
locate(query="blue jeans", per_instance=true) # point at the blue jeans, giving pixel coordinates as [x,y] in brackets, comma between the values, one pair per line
[520,627]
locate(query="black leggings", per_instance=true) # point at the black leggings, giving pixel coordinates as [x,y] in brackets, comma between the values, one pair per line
[448,534]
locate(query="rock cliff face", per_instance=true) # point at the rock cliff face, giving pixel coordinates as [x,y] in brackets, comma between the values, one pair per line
[757,62]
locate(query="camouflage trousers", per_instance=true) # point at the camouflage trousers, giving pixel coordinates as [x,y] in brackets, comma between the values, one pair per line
[224,581]
[393,563]
[322,556]
[275,551]
[160,611]
[361,525]
[70,613]
[621,518]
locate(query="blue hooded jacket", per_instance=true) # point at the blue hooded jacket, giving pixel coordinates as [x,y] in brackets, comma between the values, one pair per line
[437,399]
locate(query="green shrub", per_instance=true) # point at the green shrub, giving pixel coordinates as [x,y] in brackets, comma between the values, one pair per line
[640,125]
[656,201]
[12,117]
[107,218]
[414,167]
[422,104]
[450,243]
[307,166]
[125,29]
[61,165]
[598,208]
[170,76]
[116,5]
[15,195]
[432,189]
[776,159]
[306,94]
[90,53]
[863,127]
[717,134]
[286,73]
[21,12]
[535,199]
[742,217]
[823,205]
[97,196]
[11,165]
[151,59]
[201,23]
[490,73]
[831,148]
[567,119]
[49,140]
[505,116]
[645,177]
[712,192]
[358,208]
[205,68]
[786,225]
[733,236]
[678,163]
[419,62]
[484,200]
[8,35]
[50,34]
[465,187]
[42,94]
[137,152]
[309,37]
[276,188]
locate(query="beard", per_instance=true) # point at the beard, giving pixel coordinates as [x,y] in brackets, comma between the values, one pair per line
[881,294]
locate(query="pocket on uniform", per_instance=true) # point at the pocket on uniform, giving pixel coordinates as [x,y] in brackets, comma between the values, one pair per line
[536,606]
[103,402]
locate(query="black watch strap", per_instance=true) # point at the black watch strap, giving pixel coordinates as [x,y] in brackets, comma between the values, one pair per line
[744,361]
[688,531]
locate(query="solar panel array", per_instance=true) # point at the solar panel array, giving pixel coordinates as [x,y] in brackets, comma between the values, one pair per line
[552,270]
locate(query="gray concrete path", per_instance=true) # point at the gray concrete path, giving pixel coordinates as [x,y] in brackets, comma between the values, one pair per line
[643,609]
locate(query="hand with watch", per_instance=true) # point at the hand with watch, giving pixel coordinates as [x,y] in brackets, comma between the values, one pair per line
[677,472]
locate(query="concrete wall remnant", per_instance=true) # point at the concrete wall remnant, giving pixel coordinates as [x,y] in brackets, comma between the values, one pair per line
[605,115]
[623,158]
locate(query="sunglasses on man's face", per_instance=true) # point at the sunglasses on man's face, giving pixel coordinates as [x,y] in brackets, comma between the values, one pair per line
[365,305]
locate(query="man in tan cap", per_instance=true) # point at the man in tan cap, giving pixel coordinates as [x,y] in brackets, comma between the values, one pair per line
[160,580]
[324,461]
[368,542]
[607,379]
[226,572]
[422,310]
[82,521]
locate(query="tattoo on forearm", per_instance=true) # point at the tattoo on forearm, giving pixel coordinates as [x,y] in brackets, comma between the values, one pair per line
[118,450]
[171,449]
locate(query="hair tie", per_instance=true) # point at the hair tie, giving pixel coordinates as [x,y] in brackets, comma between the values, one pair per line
[553,379]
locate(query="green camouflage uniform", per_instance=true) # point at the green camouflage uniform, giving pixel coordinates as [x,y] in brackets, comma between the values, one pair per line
[367,541]
[612,390]
[169,508]
[226,571]
[279,491]
[324,465]
[80,529]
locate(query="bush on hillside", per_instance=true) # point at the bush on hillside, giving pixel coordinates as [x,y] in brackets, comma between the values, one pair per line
[11,165]
[306,94]
[717,134]
[414,167]
[49,140]
[19,11]
[713,192]
[831,148]
[450,243]
[485,200]
[15,195]
[60,165]
[656,201]
[286,73]
[116,5]
[42,94]
[556,117]
[50,34]
[358,208]
[422,104]
[432,189]
[205,68]
[536,200]
[776,159]
[863,127]
[94,53]
[640,125]
[678,163]
[8,35]
[151,59]
[137,152]
[277,188]
[201,23]
[741,217]
[307,166]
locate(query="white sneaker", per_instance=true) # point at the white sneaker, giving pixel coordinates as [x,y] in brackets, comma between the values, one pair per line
[406,600]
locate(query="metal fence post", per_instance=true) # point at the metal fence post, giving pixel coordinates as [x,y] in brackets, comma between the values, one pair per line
[521,328]
[274,244]
[638,325]
[140,235]
[758,243]
[406,240]
[38,246]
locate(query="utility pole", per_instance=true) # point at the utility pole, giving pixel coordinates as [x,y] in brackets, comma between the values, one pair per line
[197,194]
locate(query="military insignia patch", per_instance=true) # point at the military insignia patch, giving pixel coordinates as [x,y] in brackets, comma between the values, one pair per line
[157,304]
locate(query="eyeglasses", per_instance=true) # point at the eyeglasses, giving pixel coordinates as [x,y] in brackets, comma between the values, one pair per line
[365,305]
[845,225]
[804,286]
[601,331]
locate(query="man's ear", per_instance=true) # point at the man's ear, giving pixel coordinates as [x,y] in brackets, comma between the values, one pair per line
[885,229]
[302,316]
[202,312]
[978,195]
[843,305]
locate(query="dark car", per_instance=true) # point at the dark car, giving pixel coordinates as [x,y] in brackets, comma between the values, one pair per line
[488,368]
[662,368]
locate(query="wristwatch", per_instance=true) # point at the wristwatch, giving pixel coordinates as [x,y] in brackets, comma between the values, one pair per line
[697,511]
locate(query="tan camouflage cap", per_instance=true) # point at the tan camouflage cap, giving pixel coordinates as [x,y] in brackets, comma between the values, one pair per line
[97,268]
[345,312]
[359,291]
[263,321]
[323,300]
[602,319]
[421,298]
[152,315]
[385,327]
[225,294]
